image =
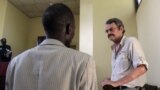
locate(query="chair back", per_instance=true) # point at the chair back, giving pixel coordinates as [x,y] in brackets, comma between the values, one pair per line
[3,68]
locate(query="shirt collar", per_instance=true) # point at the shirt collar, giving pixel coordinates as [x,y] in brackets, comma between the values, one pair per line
[121,43]
[52,42]
[122,40]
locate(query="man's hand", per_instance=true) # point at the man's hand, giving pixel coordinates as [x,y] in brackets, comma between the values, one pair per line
[109,82]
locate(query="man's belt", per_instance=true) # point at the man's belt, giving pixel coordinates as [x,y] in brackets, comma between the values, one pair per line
[125,87]
[109,87]
[120,87]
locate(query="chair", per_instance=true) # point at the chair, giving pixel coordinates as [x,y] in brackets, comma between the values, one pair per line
[150,87]
[107,87]
[3,69]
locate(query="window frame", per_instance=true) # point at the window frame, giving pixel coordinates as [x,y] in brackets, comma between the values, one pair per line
[137,4]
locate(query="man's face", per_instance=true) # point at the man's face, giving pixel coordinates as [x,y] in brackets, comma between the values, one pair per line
[114,32]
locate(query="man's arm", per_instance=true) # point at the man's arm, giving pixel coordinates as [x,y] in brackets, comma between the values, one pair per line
[140,64]
[140,70]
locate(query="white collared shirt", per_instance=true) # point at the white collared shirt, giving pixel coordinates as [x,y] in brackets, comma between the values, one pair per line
[129,56]
[51,66]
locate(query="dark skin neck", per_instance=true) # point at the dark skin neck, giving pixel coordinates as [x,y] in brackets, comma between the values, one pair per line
[64,35]
[57,36]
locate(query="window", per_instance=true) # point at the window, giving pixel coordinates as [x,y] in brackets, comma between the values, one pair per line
[137,4]
[139,1]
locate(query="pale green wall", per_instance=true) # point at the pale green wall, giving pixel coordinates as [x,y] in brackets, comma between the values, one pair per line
[15,29]
[148,24]
[103,10]
[35,30]
[3,7]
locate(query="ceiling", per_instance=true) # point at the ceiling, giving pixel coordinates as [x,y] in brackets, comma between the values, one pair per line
[35,8]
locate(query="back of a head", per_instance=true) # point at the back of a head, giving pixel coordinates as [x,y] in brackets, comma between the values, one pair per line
[56,17]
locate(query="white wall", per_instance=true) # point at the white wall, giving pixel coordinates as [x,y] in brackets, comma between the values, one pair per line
[86,26]
[148,24]
[103,10]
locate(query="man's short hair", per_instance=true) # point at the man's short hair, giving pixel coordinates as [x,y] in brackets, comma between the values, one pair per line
[117,21]
[56,17]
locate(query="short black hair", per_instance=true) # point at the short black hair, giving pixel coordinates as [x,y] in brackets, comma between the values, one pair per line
[117,21]
[56,17]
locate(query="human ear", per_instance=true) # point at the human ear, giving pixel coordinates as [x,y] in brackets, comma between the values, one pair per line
[69,33]
[68,29]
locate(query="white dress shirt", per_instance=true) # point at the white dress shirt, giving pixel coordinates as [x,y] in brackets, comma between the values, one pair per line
[127,57]
[51,66]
